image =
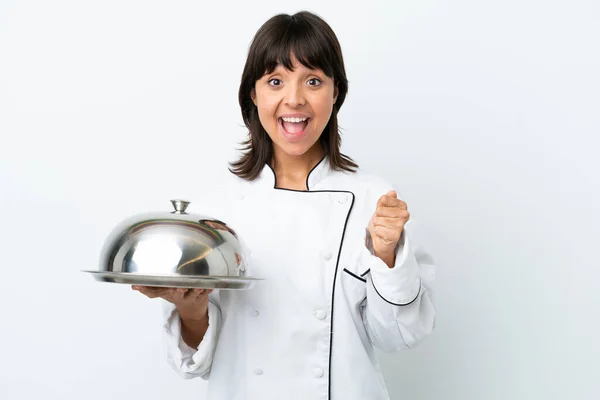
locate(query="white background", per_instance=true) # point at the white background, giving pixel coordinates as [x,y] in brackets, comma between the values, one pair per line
[484,114]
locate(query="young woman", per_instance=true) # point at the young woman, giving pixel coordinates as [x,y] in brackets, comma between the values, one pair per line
[342,272]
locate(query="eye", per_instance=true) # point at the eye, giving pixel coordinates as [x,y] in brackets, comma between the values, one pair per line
[314,82]
[274,82]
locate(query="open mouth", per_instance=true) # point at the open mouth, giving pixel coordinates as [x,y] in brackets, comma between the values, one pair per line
[294,126]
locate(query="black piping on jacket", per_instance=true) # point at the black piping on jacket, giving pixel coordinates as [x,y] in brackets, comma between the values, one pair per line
[338,257]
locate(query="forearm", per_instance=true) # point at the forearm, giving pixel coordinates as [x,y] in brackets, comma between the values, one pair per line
[399,311]
[191,338]
[193,329]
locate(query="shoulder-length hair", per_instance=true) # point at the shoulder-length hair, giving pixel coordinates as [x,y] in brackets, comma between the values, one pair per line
[314,44]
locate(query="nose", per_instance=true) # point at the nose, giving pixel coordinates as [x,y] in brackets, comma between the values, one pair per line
[295,96]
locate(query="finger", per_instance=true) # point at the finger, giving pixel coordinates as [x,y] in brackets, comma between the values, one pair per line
[389,201]
[147,288]
[140,287]
[166,293]
[392,223]
[203,292]
[150,292]
[193,294]
[387,235]
[392,212]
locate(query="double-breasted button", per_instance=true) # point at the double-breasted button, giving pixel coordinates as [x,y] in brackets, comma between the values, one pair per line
[258,371]
[318,373]
[320,314]
[328,256]
[254,313]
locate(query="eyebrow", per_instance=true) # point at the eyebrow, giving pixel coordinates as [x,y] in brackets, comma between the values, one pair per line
[308,70]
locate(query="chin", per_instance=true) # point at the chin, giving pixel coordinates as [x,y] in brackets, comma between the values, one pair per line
[295,150]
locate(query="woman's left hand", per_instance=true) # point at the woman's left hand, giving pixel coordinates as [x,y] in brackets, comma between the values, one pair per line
[386,226]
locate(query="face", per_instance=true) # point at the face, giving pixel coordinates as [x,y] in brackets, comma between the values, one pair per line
[294,107]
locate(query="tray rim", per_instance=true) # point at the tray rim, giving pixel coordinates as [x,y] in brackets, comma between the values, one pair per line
[186,277]
[174,281]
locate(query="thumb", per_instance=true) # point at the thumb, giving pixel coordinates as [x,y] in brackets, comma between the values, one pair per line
[392,193]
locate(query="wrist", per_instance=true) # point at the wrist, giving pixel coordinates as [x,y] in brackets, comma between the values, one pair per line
[388,258]
[193,316]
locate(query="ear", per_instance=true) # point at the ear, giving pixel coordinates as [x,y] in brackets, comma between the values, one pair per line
[253,95]
[335,94]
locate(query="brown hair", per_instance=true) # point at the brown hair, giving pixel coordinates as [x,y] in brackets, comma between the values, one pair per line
[315,45]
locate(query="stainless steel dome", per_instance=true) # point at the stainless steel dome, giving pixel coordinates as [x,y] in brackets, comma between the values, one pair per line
[174,249]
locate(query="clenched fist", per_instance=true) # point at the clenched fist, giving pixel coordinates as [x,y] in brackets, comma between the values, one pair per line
[386,226]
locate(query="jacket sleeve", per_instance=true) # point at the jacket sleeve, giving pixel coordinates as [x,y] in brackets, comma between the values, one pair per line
[189,362]
[399,312]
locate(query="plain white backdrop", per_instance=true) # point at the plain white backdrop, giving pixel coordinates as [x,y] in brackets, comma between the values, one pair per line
[485,115]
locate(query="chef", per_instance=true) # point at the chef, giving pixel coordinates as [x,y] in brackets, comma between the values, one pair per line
[342,272]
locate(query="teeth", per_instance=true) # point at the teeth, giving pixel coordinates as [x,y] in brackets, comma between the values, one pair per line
[296,120]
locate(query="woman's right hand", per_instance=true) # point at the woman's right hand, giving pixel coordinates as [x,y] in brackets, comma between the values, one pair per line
[191,304]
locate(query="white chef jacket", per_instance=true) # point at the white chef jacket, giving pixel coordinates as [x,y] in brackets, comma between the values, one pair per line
[308,330]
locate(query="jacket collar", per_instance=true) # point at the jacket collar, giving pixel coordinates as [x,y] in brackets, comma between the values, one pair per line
[316,175]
